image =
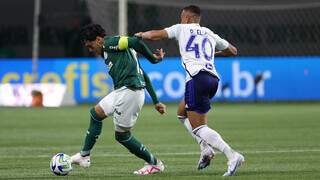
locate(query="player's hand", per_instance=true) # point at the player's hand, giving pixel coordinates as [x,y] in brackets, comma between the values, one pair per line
[159,54]
[138,34]
[161,108]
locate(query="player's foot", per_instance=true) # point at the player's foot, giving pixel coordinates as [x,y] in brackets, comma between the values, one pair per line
[205,158]
[234,164]
[82,161]
[150,169]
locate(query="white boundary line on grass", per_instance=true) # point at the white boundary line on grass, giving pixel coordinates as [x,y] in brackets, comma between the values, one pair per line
[175,153]
[197,153]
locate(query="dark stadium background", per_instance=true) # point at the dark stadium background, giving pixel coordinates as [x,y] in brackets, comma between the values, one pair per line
[256,27]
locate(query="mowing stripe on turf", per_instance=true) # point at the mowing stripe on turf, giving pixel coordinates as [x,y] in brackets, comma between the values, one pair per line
[173,154]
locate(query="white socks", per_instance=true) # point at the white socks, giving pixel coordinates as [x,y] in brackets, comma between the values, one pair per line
[214,139]
[206,136]
[186,123]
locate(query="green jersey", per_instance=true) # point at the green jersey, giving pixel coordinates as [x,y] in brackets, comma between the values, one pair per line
[124,67]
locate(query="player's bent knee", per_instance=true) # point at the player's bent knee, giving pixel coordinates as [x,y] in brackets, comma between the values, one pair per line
[95,115]
[122,136]
[98,112]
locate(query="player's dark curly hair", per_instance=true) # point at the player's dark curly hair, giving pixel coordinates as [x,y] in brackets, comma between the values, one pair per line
[194,9]
[90,32]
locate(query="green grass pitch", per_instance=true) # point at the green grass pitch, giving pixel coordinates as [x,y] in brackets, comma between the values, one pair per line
[279,141]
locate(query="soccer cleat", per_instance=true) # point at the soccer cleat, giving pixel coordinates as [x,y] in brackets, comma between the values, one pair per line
[205,158]
[234,164]
[82,161]
[150,169]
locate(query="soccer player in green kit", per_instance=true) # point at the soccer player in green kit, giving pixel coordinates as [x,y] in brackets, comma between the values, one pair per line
[127,99]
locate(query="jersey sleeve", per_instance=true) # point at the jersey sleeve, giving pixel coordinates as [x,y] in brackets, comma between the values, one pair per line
[150,88]
[221,44]
[138,45]
[173,31]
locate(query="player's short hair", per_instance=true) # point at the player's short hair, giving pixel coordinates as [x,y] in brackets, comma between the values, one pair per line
[193,9]
[90,32]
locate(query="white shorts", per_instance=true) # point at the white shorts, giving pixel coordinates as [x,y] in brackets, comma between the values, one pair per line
[124,104]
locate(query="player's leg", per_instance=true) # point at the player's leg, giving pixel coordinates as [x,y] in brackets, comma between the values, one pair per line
[213,138]
[199,90]
[97,114]
[94,130]
[127,106]
[207,153]
[182,116]
[198,122]
[153,165]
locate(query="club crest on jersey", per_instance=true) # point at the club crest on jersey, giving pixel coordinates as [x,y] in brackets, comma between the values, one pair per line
[209,66]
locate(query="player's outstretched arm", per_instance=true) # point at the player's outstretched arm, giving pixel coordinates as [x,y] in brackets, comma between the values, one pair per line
[142,48]
[161,108]
[229,51]
[153,34]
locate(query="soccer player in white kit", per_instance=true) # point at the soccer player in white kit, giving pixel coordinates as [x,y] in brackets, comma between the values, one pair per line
[198,45]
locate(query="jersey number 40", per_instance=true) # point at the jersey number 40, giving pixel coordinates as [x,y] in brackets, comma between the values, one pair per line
[206,47]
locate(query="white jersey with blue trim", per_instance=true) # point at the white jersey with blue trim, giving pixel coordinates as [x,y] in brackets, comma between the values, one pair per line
[197,47]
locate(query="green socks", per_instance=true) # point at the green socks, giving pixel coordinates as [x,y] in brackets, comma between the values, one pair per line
[135,147]
[126,139]
[93,133]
